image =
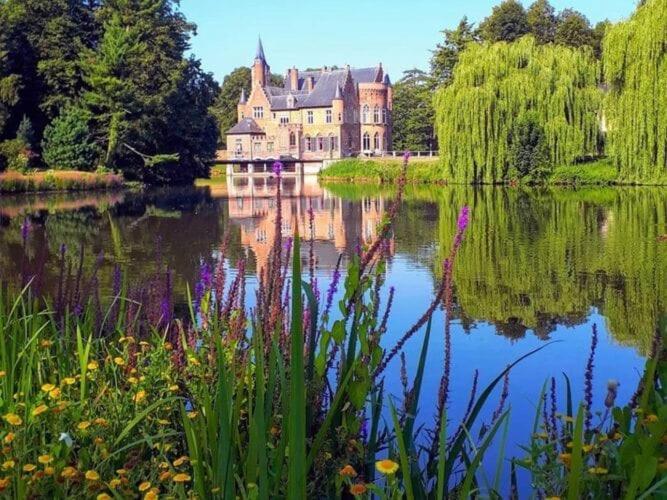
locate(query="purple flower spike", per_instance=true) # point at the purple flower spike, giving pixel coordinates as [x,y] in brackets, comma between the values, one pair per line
[277,168]
[25,229]
[464,218]
[406,156]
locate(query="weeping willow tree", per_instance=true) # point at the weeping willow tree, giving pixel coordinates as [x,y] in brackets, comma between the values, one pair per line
[635,67]
[495,85]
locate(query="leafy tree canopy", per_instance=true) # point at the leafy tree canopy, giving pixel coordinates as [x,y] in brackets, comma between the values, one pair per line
[68,143]
[413,112]
[507,22]
[541,17]
[227,100]
[446,54]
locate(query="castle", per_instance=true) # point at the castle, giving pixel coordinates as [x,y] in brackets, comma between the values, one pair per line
[316,115]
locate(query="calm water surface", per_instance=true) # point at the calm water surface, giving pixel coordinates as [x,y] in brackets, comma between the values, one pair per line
[536,265]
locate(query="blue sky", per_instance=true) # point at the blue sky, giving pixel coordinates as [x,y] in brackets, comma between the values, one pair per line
[301,33]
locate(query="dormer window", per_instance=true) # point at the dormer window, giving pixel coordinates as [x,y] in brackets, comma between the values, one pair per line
[290,101]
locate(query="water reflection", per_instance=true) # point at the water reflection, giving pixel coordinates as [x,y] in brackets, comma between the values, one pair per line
[533,260]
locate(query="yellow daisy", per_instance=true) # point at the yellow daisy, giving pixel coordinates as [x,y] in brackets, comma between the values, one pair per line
[386,466]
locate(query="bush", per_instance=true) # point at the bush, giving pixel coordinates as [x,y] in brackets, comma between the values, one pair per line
[68,143]
[529,152]
[14,155]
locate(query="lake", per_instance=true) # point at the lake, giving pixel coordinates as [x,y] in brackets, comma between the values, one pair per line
[537,265]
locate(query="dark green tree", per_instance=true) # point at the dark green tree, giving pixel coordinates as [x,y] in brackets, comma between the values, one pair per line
[68,143]
[413,112]
[506,23]
[26,133]
[574,30]
[224,108]
[541,18]
[446,54]
[529,152]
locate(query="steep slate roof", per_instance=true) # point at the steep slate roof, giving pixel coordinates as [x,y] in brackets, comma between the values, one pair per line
[245,126]
[325,87]
[260,51]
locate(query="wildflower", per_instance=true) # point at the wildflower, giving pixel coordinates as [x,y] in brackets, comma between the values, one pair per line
[651,419]
[348,471]
[133,380]
[46,343]
[119,361]
[114,483]
[103,496]
[82,426]
[194,361]
[3,373]
[9,437]
[69,381]
[29,467]
[45,459]
[358,489]
[566,458]
[151,495]
[98,441]
[587,448]
[139,396]
[598,470]
[386,466]
[164,476]
[102,422]
[8,464]
[48,387]
[4,482]
[173,388]
[180,461]
[144,486]
[93,365]
[68,473]
[49,471]
[54,393]
[192,414]
[181,478]
[91,475]
[39,410]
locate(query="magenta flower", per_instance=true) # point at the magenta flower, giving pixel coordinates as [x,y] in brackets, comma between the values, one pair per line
[25,229]
[406,156]
[464,218]
[277,168]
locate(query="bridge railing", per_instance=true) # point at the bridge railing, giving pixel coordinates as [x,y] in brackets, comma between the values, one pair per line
[397,154]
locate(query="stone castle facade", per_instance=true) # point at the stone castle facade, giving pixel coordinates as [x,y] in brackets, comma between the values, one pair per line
[316,115]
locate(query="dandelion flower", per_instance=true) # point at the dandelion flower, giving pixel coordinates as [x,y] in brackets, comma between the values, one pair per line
[8,464]
[49,471]
[386,466]
[69,381]
[93,365]
[29,467]
[45,459]
[48,387]
[144,486]
[39,410]
[358,489]
[181,478]
[165,475]
[82,426]
[91,475]
[114,483]
[13,419]
[103,496]
[139,396]
[68,473]
[180,461]
[119,361]
[348,471]
[54,393]
[151,495]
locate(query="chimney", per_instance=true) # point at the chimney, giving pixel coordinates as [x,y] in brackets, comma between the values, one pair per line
[293,79]
[310,83]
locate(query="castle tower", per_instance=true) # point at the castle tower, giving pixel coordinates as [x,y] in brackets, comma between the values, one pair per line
[337,105]
[241,106]
[260,68]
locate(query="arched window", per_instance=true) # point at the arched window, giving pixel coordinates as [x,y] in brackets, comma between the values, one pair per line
[364,114]
[384,115]
[320,143]
[308,143]
[376,141]
[376,114]
[292,139]
[367,141]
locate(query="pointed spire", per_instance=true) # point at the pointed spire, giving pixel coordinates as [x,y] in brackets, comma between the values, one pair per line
[386,80]
[260,50]
[339,92]
[243,99]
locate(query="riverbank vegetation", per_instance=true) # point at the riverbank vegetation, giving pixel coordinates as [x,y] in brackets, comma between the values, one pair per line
[119,393]
[16,182]
[90,84]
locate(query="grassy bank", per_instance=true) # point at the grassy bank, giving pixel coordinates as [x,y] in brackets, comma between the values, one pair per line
[387,171]
[61,180]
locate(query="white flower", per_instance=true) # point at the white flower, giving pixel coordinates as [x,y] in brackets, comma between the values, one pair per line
[66,438]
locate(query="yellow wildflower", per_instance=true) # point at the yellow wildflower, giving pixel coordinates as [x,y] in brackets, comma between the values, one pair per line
[598,470]
[114,483]
[151,495]
[192,414]
[180,461]
[3,373]
[91,475]
[651,419]
[46,343]
[102,422]
[9,437]
[119,361]
[133,380]
[29,467]
[49,471]
[98,441]
[54,393]
[82,426]
[181,478]
[121,472]
[348,471]
[165,475]
[566,458]
[587,448]
[4,482]
[48,387]
[173,388]
[93,365]
[139,396]
[45,459]
[386,466]
[144,486]
[8,464]
[69,381]
[103,496]
[68,473]
[39,410]
[13,419]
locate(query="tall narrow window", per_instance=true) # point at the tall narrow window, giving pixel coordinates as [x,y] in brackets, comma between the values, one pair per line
[329,116]
[333,142]
[376,141]
[384,115]
[258,112]
[308,143]
[364,114]
[309,117]
[292,139]
[367,141]
[320,143]
[376,114]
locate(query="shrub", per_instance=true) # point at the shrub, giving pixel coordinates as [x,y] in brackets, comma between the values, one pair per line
[14,155]
[68,143]
[529,152]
